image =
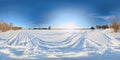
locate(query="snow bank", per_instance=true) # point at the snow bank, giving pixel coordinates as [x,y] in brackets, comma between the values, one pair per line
[110,30]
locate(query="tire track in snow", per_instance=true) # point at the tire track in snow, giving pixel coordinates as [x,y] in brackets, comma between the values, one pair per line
[55,44]
[12,36]
[76,42]
[80,41]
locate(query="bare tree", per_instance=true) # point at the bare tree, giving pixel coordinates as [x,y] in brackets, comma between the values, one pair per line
[4,26]
[115,24]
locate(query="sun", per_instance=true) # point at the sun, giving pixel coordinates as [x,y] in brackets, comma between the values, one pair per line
[69,25]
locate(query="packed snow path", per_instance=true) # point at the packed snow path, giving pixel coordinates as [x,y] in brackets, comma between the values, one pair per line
[57,43]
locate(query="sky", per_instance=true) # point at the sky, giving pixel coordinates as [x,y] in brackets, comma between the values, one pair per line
[54,13]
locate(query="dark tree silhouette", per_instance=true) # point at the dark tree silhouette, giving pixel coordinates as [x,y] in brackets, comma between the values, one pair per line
[98,27]
[105,26]
[92,28]
[49,27]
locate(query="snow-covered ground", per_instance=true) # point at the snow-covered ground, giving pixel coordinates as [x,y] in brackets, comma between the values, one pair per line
[60,45]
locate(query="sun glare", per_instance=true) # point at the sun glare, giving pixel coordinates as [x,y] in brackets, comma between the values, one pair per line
[69,25]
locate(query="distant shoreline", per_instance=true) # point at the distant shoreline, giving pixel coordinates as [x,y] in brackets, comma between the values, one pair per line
[58,28]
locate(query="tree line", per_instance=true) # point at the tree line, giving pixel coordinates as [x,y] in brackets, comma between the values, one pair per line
[102,26]
[4,26]
[115,24]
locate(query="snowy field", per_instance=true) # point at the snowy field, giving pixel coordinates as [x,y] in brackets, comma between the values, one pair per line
[60,45]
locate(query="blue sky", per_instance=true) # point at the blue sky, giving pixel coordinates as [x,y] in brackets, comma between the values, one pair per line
[42,13]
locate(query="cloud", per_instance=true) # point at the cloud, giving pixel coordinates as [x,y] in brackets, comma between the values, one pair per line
[52,56]
[111,17]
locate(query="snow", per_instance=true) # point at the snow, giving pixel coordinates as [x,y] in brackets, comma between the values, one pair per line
[59,44]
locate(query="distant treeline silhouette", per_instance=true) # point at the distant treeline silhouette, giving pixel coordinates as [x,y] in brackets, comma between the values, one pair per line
[48,28]
[102,26]
[4,26]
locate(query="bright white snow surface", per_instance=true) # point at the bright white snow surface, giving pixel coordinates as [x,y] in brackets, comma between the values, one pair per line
[60,45]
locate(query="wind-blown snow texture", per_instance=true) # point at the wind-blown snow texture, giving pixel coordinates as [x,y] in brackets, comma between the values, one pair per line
[60,45]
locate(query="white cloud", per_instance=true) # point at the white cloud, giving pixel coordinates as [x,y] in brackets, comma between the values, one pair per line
[105,17]
[52,56]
